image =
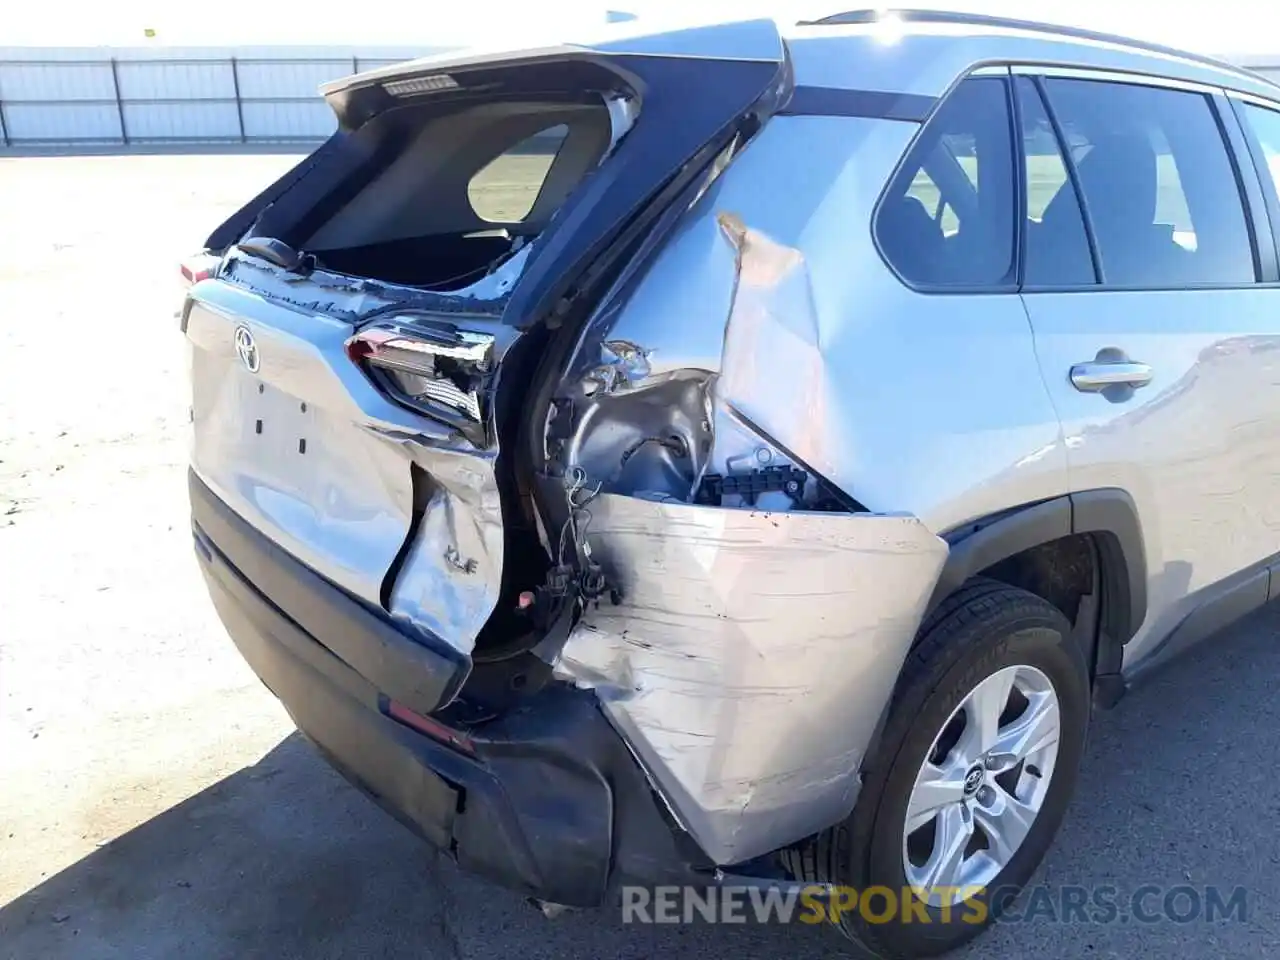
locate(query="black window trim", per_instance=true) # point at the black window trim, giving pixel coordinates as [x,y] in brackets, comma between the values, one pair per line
[1249,181]
[1269,200]
[1019,185]
[813,101]
[1068,162]
[1224,104]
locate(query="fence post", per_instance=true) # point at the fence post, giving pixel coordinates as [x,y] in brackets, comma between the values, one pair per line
[235,83]
[115,82]
[4,127]
[355,64]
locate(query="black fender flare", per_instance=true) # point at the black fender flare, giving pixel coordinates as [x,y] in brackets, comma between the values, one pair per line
[1108,515]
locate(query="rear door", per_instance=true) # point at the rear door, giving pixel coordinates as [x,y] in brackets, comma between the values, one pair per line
[1159,344]
[354,421]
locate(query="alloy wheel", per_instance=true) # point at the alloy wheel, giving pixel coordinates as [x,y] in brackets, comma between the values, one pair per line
[981,785]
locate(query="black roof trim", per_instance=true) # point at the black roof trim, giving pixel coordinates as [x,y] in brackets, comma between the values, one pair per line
[853,17]
[807,101]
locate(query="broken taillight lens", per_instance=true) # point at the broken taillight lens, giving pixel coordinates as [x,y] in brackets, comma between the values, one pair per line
[200,267]
[436,370]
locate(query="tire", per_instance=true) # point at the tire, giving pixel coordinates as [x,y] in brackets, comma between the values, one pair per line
[977,633]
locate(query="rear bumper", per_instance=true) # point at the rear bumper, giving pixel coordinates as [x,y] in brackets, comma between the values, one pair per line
[420,676]
[552,804]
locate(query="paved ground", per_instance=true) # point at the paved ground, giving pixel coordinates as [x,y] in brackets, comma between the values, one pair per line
[154,801]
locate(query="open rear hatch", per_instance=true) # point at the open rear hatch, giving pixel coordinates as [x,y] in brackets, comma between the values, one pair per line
[365,356]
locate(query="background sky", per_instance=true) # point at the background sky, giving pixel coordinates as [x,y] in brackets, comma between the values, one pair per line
[1220,26]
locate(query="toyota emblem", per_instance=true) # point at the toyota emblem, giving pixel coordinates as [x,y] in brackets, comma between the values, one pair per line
[972,781]
[247,349]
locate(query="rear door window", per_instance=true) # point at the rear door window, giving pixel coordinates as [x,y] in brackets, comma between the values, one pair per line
[947,218]
[1160,188]
[1056,251]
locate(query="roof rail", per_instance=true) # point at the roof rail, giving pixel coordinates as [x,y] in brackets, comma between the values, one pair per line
[853,17]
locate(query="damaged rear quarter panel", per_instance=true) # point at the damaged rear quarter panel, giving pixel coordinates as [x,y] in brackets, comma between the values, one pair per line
[753,652]
[751,655]
[773,288]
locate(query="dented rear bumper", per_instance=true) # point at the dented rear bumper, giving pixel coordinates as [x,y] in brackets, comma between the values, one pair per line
[547,801]
[751,657]
[729,697]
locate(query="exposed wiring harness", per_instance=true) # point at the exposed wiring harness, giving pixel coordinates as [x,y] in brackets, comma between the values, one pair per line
[586,577]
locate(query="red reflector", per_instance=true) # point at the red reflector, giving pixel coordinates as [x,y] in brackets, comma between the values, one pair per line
[369,343]
[197,268]
[432,728]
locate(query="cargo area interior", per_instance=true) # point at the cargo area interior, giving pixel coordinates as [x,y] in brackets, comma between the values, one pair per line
[438,198]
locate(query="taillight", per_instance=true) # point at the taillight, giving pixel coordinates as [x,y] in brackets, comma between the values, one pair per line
[200,267]
[435,369]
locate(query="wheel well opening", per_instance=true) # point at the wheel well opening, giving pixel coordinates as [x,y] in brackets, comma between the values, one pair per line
[1066,573]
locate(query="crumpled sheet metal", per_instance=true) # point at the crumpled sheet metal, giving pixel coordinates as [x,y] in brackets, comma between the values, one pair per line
[751,656]
[452,574]
[771,285]
[774,326]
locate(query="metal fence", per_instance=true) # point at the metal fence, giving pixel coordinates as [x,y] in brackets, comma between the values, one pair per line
[168,99]
[136,96]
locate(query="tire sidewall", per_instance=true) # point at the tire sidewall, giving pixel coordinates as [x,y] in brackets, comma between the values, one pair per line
[1037,638]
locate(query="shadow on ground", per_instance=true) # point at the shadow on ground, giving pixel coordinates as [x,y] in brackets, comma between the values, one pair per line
[283,859]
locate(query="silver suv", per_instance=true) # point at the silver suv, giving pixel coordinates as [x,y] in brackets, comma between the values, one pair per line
[746,454]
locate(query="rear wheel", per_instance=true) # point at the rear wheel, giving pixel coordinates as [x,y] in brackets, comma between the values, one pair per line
[971,778]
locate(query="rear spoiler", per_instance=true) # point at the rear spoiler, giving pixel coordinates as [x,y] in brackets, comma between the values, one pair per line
[357,98]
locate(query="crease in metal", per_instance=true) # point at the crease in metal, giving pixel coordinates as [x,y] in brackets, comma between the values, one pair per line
[738,663]
[452,574]
[749,658]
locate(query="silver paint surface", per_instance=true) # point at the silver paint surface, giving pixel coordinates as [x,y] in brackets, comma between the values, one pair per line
[785,309]
[343,506]
[754,650]
[450,580]
[751,656]
[1196,449]
[944,407]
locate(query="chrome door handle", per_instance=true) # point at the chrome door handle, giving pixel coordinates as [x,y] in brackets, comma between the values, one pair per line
[1097,375]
